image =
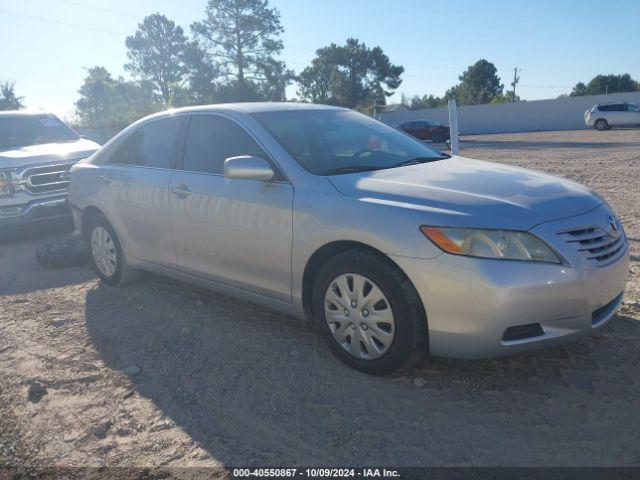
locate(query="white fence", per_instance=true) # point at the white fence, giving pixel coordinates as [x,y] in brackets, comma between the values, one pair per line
[530,116]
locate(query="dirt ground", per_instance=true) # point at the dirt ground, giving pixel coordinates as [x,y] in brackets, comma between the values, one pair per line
[163,374]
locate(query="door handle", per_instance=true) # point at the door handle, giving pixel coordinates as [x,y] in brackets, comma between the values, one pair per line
[181,191]
[106,179]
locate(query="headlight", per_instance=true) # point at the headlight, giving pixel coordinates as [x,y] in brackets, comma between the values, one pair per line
[502,244]
[6,188]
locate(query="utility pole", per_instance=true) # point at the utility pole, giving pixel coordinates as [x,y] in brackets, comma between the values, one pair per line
[516,79]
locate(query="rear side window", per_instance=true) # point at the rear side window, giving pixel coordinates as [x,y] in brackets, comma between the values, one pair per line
[211,139]
[151,145]
[632,107]
[611,108]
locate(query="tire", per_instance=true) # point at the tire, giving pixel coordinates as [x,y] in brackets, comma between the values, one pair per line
[118,272]
[408,341]
[69,252]
[601,124]
[437,138]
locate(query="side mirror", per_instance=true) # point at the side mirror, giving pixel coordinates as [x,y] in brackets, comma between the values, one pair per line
[246,167]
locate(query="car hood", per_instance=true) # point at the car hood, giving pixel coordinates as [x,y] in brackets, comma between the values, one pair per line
[479,194]
[47,153]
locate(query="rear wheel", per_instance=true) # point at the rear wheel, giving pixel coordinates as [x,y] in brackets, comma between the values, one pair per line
[437,138]
[106,253]
[601,124]
[369,313]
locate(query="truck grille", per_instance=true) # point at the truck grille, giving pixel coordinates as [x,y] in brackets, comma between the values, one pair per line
[597,245]
[46,179]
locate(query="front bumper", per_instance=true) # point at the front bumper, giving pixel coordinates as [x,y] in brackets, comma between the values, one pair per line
[44,209]
[470,303]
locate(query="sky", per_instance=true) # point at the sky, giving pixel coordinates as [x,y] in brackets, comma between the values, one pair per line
[47,45]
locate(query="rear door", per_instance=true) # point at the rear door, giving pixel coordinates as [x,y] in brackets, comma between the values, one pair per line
[633,114]
[236,232]
[135,189]
[616,113]
[418,130]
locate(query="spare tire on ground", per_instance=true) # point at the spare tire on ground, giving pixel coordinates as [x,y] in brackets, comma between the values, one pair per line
[68,252]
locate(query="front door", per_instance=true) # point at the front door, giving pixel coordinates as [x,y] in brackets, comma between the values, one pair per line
[237,232]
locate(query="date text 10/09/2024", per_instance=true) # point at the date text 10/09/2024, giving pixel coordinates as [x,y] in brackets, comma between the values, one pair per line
[315,472]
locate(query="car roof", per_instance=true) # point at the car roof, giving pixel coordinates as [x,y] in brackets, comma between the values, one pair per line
[256,107]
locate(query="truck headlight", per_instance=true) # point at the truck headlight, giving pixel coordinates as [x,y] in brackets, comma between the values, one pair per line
[6,187]
[500,244]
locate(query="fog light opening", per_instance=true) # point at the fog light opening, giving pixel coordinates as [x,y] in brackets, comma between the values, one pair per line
[523,332]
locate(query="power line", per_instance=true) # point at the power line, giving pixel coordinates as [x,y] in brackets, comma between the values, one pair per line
[116,12]
[58,22]
[101,9]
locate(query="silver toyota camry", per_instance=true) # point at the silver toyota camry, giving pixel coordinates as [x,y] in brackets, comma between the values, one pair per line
[392,248]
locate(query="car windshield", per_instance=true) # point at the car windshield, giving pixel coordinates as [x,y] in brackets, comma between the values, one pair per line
[332,142]
[24,130]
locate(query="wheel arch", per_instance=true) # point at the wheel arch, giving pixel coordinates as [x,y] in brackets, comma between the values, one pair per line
[324,253]
[89,213]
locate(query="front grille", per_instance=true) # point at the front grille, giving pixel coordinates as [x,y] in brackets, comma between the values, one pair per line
[46,179]
[597,245]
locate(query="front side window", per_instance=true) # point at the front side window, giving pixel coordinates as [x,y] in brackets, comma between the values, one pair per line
[632,107]
[151,145]
[329,142]
[24,130]
[211,139]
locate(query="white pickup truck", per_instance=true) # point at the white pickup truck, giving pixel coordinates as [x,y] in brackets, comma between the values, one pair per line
[36,152]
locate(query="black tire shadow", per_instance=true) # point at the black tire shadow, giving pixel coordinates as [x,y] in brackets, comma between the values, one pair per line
[254,387]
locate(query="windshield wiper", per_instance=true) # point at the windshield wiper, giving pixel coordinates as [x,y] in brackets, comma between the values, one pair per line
[418,160]
[351,169]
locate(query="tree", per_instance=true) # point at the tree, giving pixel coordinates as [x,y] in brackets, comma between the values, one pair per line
[277,77]
[507,97]
[426,101]
[202,74]
[478,84]
[112,104]
[158,53]
[8,98]
[579,90]
[244,36]
[602,84]
[351,75]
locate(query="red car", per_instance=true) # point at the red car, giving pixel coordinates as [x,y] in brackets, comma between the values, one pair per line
[426,130]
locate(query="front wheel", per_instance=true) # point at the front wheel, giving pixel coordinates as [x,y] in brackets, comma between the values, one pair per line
[369,313]
[106,254]
[601,124]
